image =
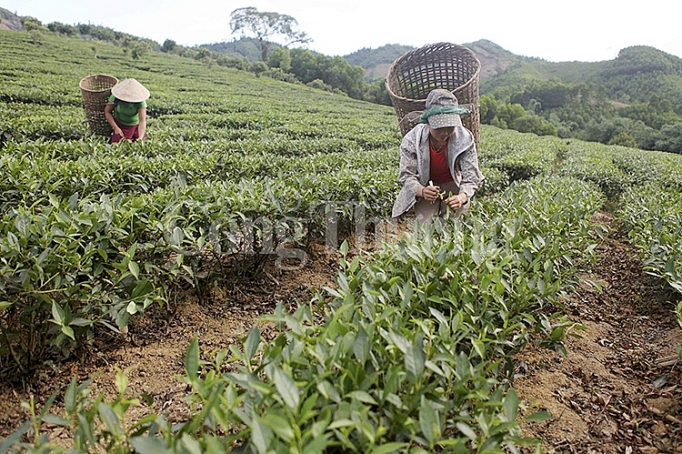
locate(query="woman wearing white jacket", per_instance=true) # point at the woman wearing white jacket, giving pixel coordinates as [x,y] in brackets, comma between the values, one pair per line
[438,162]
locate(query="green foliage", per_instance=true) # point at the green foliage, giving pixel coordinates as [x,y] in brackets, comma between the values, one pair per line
[670,138]
[67,266]
[408,355]
[637,59]
[367,57]
[549,94]
[319,84]
[94,233]
[377,93]
[63,29]
[336,72]
[96,424]
[375,62]
[656,113]
[169,46]
[280,58]
[653,215]
[520,157]
[32,24]
[624,139]
[535,125]
[239,48]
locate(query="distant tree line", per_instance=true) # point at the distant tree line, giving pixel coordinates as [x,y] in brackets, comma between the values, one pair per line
[136,47]
[296,65]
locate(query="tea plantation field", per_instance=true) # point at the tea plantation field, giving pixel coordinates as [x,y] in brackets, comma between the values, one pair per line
[409,351]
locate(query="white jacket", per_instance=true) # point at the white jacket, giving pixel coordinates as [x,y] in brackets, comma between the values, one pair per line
[415,160]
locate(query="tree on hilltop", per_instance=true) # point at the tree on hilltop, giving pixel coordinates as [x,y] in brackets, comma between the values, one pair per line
[265,25]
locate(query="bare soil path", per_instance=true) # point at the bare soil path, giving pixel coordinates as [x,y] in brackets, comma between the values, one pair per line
[619,389]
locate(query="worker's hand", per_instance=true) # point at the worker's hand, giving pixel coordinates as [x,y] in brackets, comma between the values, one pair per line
[430,193]
[457,201]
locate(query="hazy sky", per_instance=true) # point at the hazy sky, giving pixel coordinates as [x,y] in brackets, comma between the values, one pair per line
[582,30]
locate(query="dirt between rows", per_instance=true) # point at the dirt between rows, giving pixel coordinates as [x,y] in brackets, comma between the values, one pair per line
[618,389]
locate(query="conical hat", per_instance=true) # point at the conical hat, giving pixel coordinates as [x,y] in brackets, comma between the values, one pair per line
[130,90]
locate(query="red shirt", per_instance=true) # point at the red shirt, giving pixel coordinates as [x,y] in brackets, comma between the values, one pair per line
[439,171]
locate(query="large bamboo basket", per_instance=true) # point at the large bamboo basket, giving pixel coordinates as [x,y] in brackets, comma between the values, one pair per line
[96,90]
[442,65]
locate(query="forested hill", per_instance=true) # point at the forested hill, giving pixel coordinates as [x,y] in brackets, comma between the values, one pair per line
[633,100]
[636,74]
[640,72]
[376,62]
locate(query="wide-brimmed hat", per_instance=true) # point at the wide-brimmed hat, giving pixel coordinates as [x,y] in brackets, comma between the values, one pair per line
[130,90]
[442,109]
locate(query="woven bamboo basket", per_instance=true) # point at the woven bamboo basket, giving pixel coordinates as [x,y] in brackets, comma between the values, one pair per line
[442,65]
[96,90]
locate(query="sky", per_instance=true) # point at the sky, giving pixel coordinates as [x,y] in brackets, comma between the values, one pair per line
[578,30]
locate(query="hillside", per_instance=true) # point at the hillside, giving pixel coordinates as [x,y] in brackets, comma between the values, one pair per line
[9,20]
[640,72]
[635,75]
[634,100]
[241,48]
[494,59]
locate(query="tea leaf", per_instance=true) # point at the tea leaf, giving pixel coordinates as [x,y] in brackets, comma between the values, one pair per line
[317,445]
[57,313]
[70,397]
[287,388]
[252,342]
[466,430]
[280,426]
[134,269]
[511,405]
[148,445]
[361,346]
[260,435]
[192,359]
[67,330]
[362,396]
[415,358]
[56,420]
[539,416]
[429,421]
[389,448]
[109,418]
